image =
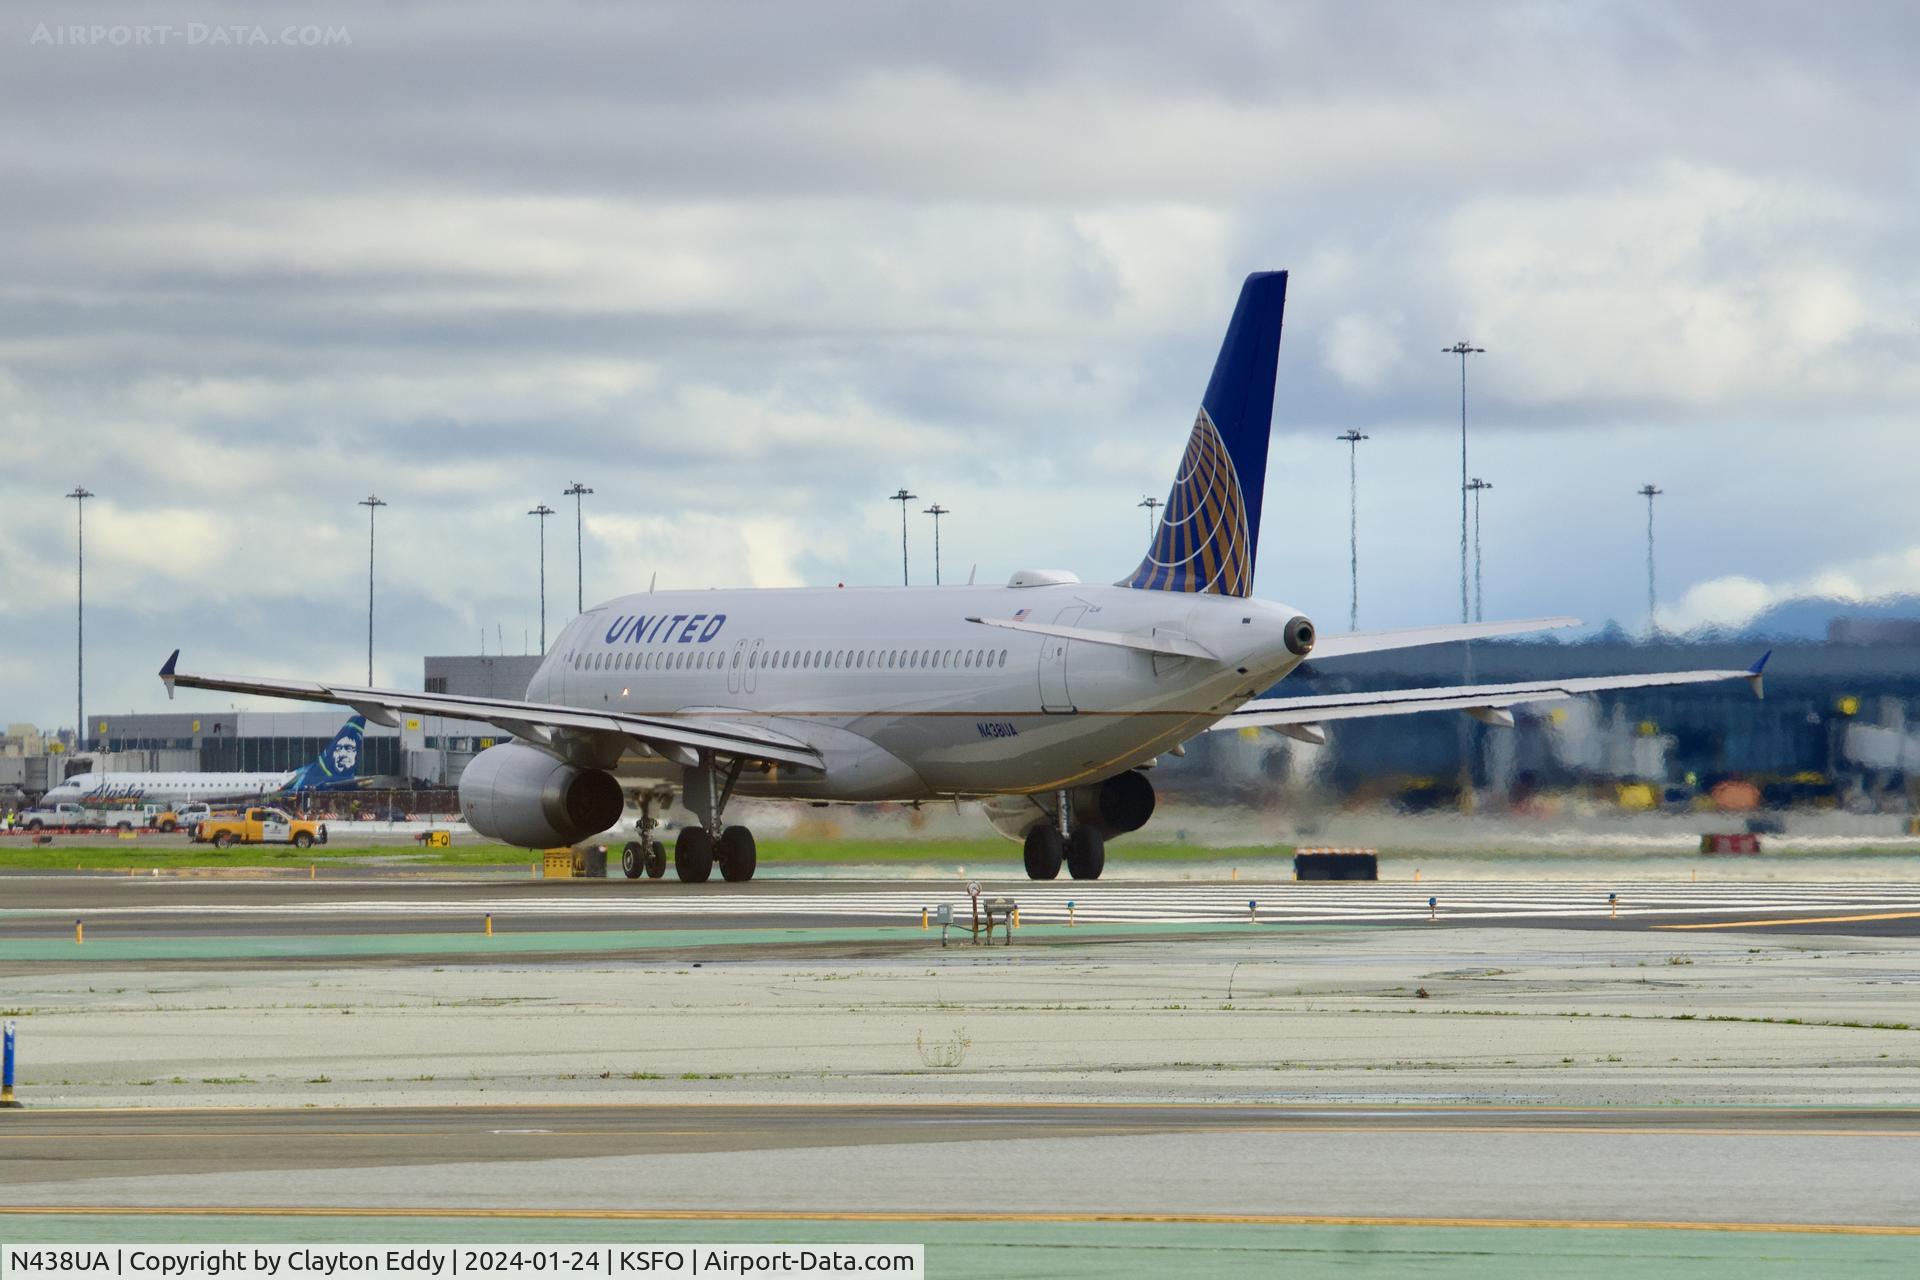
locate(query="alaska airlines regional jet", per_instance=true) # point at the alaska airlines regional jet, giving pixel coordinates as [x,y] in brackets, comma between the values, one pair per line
[1045,697]
[336,767]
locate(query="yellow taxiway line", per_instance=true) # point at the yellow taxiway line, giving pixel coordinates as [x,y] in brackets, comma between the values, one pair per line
[1759,924]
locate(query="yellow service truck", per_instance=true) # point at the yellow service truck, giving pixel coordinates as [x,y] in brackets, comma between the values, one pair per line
[259,826]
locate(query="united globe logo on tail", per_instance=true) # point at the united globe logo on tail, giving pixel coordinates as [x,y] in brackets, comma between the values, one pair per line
[1209,531]
[1201,544]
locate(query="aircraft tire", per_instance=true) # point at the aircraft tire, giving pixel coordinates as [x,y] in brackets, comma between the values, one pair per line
[739,855]
[1086,853]
[631,859]
[656,861]
[693,855]
[1044,849]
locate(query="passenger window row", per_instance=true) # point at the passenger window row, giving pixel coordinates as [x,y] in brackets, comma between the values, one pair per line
[877,659]
[790,659]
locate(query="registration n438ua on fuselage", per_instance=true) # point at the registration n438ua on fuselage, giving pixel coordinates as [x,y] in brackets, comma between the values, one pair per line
[1044,696]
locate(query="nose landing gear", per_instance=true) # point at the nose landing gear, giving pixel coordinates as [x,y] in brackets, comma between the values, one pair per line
[646,856]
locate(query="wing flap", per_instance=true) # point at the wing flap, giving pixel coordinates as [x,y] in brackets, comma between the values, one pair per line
[536,720]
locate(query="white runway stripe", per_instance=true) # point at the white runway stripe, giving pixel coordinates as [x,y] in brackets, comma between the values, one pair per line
[1287,902]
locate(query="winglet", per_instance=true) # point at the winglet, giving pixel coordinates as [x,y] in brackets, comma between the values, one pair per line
[166,673]
[1754,677]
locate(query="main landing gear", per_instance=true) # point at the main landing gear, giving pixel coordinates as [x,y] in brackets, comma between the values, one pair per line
[698,849]
[1082,847]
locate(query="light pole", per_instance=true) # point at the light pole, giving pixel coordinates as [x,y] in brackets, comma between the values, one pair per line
[1150,504]
[1462,350]
[903,498]
[936,511]
[80,495]
[1477,486]
[575,491]
[1353,439]
[372,503]
[543,511]
[1650,492]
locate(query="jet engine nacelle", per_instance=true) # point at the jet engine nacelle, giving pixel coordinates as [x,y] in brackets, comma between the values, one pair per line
[523,796]
[1116,806]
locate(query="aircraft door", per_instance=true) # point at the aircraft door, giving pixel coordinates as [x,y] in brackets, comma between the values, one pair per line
[736,664]
[1054,695]
[754,658]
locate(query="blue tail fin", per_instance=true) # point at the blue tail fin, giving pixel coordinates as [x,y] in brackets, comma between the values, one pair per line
[339,764]
[1210,530]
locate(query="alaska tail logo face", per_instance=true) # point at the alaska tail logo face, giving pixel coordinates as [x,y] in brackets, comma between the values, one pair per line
[338,763]
[1209,532]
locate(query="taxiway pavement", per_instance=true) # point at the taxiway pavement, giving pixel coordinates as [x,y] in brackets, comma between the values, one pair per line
[1834,1167]
[160,918]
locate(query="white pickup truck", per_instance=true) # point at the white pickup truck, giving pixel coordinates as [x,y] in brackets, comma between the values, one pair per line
[60,815]
[79,817]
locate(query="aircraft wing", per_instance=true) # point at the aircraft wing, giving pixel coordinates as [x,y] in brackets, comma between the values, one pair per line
[1488,702]
[539,722]
[1340,646]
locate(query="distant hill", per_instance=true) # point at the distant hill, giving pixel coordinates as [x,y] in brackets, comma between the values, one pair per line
[1812,618]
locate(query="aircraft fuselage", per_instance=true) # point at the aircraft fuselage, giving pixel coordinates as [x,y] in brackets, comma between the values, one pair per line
[907,699]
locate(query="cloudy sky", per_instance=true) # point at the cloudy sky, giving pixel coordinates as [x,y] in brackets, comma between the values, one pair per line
[748,268]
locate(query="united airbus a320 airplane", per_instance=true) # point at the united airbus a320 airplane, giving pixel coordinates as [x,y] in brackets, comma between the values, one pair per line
[1046,697]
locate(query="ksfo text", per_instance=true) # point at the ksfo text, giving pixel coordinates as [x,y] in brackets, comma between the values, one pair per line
[774,1260]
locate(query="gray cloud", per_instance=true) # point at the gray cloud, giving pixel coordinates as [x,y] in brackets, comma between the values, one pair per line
[747,268]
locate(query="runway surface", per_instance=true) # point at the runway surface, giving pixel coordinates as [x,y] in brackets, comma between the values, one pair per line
[1653,1168]
[129,907]
[43,1146]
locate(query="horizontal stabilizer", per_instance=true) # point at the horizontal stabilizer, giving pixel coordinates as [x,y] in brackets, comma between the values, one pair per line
[1338,646]
[1487,703]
